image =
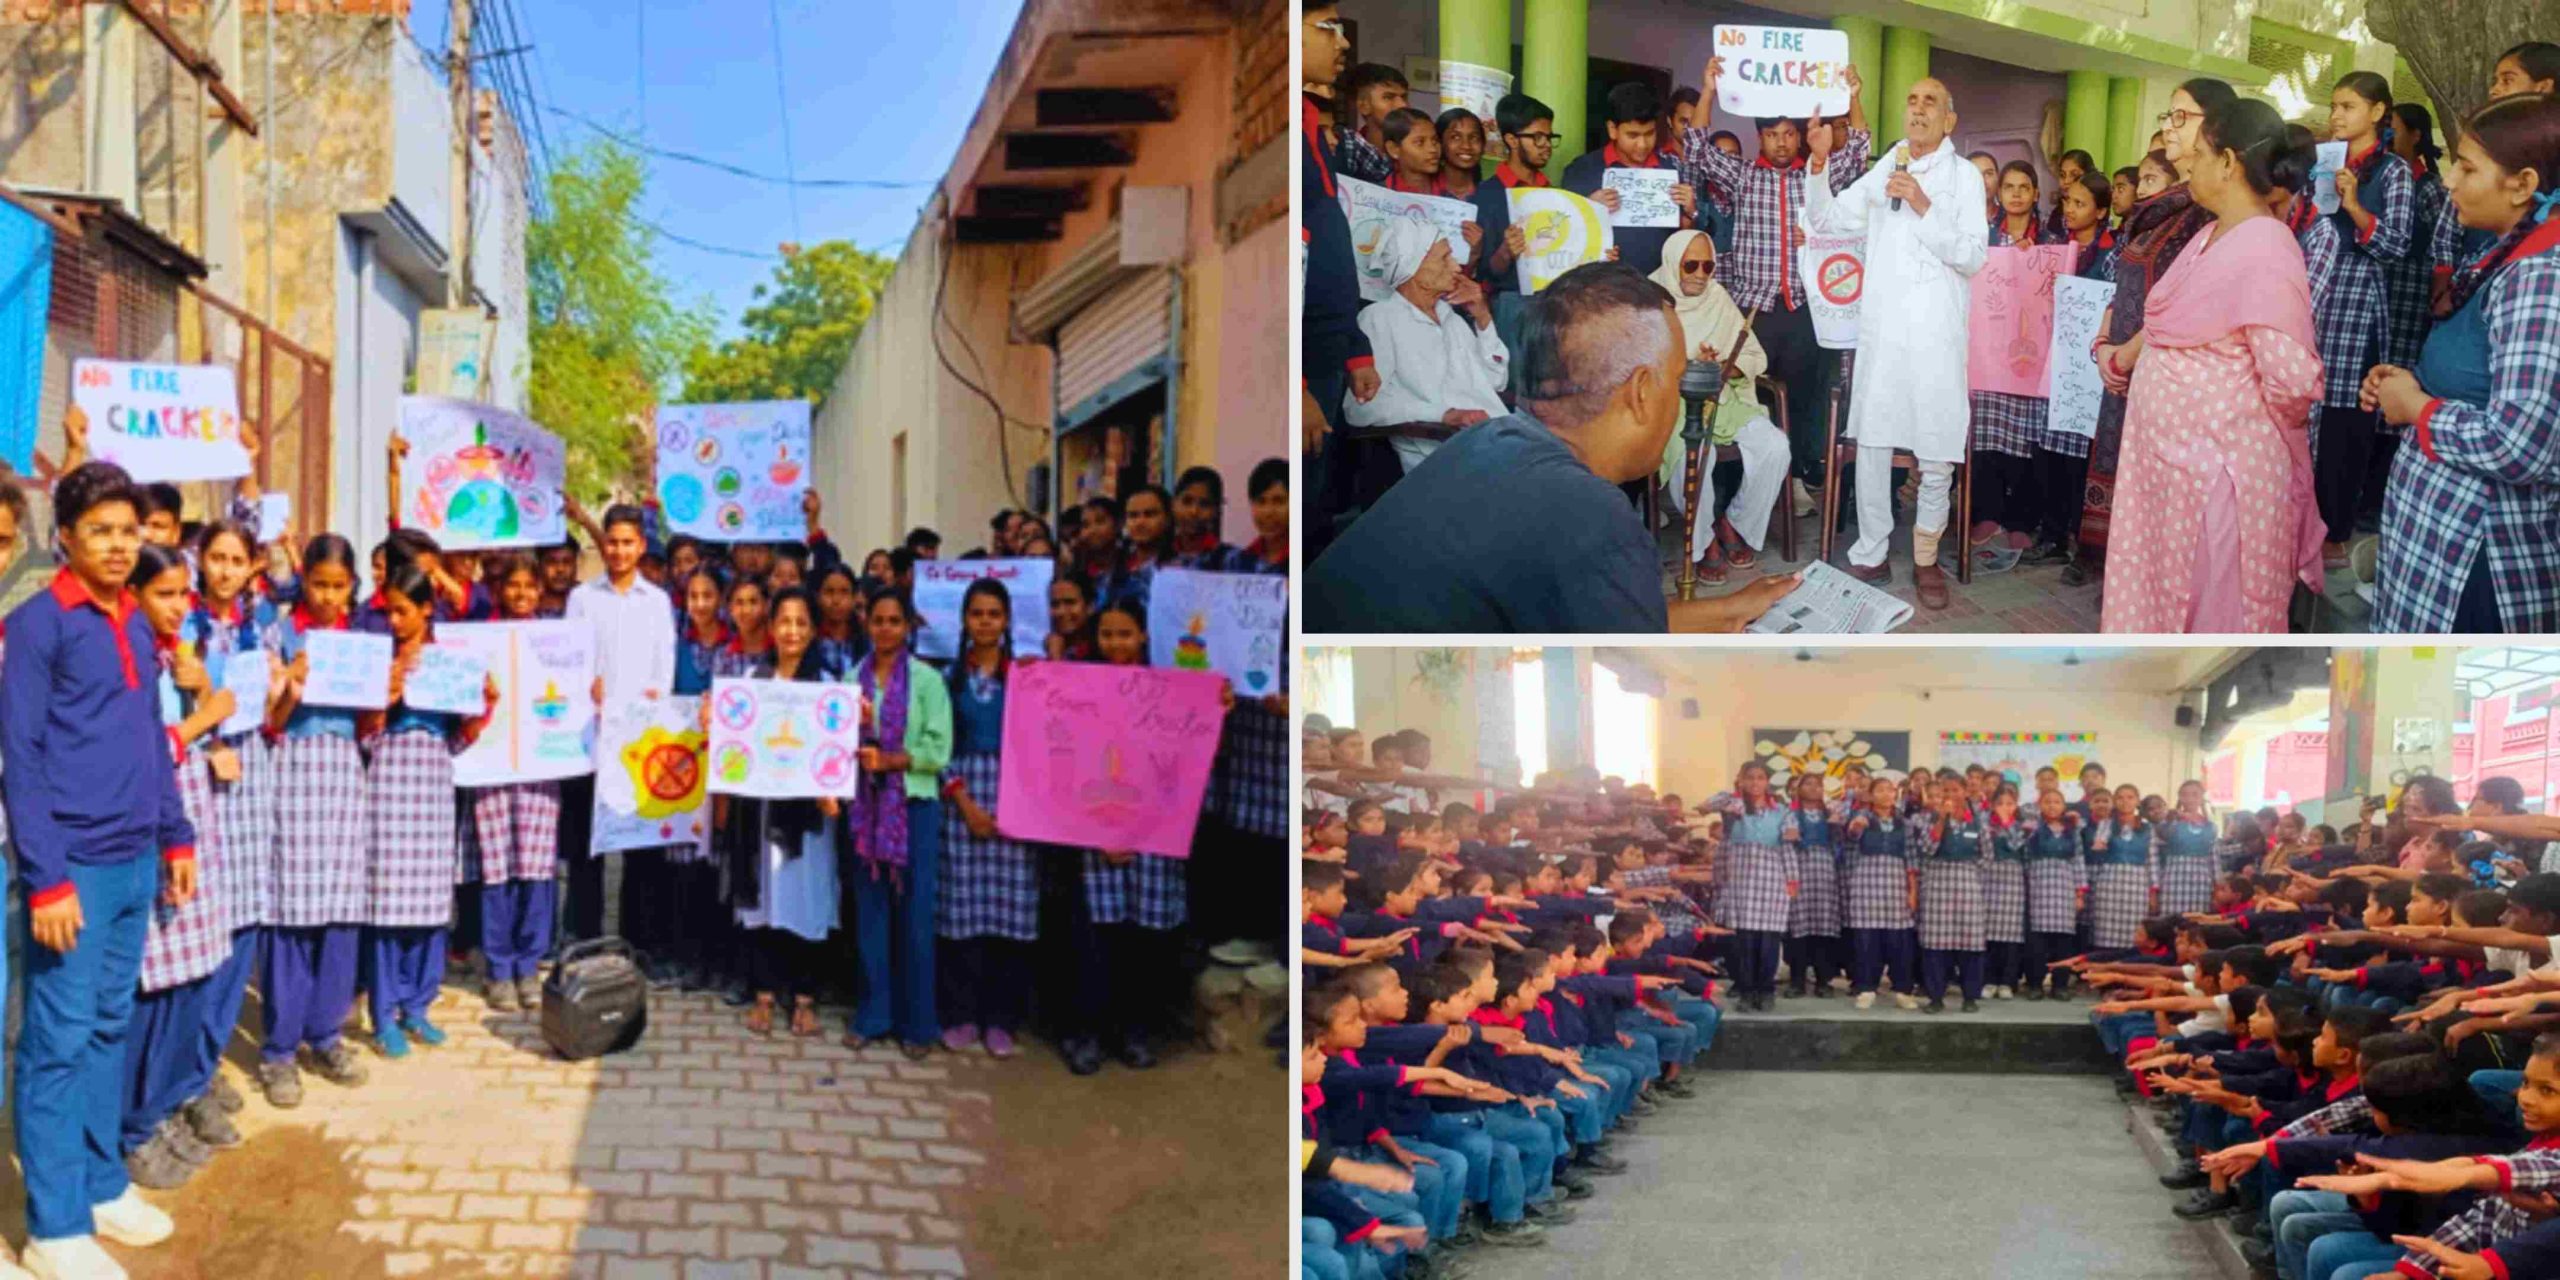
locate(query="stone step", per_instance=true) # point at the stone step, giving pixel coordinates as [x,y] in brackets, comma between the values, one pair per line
[1994,1041]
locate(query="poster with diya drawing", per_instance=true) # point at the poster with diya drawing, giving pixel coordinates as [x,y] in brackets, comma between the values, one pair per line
[479,477]
[734,472]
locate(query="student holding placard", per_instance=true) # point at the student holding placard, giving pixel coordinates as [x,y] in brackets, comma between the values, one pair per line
[307,979]
[1528,130]
[1461,157]
[895,832]
[2377,211]
[778,857]
[990,883]
[1634,119]
[635,658]
[1070,620]
[2006,498]
[1246,839]
[511,841]
[2062,455]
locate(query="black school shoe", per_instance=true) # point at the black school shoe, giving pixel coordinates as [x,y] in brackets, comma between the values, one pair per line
[2184,1177]
[1084,1057]
[1598,1161]
[1552,1214]
[1134,1053]
[2206,1204]
[1972,1005]
[1524,1234]
[1934,1006]
[2260,1256]
[1572,1184]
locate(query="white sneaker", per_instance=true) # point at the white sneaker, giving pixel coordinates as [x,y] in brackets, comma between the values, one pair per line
[1865,1000]
[132,1221]
[1907,1002]
[70,1258]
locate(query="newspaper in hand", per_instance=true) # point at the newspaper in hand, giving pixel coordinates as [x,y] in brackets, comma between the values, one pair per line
[1829,602]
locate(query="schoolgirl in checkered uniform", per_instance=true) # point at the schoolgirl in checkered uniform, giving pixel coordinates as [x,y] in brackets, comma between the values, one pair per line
[412,850]
[2006,427]
[2377,212]
[2057,883]
[2004,896]
[510,836]
[1755,879]
[989,911]
[1814,952]
[2124,869]
[1957,844]
[1249,787]
[2062,457]
[183,946]
[1876,841]
[307,977]
[2473,541]
[2341,336]
[2187,865]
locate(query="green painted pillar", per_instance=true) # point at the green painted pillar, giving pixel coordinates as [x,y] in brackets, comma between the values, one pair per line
[1478,31]
[1906,63]
[2125,131]
[1866,50]
[1555,68]
[2084,113]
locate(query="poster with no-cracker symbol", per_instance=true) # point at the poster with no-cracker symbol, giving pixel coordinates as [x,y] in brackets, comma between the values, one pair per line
[785,739]
[734,472]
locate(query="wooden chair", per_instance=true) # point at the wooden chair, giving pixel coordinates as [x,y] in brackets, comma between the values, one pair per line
[1839,456]
[1782,518]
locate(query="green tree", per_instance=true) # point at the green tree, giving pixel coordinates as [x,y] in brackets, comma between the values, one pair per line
[608,336]
[799,331]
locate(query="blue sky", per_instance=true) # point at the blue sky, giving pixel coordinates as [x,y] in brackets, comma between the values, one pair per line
[879,89]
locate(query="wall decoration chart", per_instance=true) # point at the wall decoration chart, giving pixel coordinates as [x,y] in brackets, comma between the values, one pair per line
[651,775]
[1108,757]
[1232,623]
[785,739]
[734,472]
[175,422]
[1828,752]
[2017,756]
[478,476]
[942,586]
[544,723]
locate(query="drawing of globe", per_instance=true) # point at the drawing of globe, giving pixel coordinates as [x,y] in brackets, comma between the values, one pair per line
[682,496]
[484,508]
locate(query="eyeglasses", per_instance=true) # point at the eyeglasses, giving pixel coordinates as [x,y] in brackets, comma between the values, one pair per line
[1535,137]
[2178,119]
[1330,26]
[1690,267]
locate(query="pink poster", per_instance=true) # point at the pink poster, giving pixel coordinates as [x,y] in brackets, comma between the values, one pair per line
[2012,322]
[1107,757]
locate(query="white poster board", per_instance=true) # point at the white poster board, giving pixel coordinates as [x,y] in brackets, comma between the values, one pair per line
[1374,210]
[246,675]
[1563,230]
[2079,313]
[942,585]
[1832,271]
[734,472]
[175,422]
[348,669]
[2326,159]
[1782,71]
[1644,197]
[1232,623]
[785,739]
[545,718]
[479,477]
[275,514]
[445,678]
[649,775]
[1464,84]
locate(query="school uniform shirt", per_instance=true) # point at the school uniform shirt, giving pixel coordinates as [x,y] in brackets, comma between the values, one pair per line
[1768,202]
[2187,866]
[1815,911]
[89,781]
[2004,882]
[635,638]
[2385,189]
[1323,935]
[2394,1213]
[1330,275]
[1757,867]
[1429,362]
[1355,155]
[2340,335]
[2517,1245]
[1638,247]
[2408,281]
[2095,260]
[1880,855]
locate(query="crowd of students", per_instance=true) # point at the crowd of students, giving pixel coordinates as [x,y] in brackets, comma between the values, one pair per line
[175,848]
[2376,369]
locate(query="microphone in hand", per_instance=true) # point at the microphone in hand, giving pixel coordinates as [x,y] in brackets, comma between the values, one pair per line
[1901,164]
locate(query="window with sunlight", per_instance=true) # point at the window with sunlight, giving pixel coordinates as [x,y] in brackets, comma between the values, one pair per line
[1328,677]
[1626,729]
[1529,714]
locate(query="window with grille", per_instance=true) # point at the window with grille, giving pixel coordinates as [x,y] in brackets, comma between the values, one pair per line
[2300,65]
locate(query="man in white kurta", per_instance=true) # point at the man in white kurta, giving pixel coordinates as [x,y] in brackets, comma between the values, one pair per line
[1436,363]
[1909,389]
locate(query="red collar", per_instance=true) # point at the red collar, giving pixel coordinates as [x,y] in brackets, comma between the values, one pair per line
[1609,158]
[2544,1143]
[1199,545]
[1496,1018]
[738,645]
[719,636]
[1438,187]
[1268,552]
[2032,228]
[1510,177]
[1319,918]
[2358,157]
[302,620]
[1314,124]
[71,593]
[1762,162]
[2343,1086]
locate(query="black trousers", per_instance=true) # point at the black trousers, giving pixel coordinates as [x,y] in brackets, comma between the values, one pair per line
[1814,959]
[582,899]
[1239,884]
[2045,948]
[2061,485]
[983,982]
[1125,977]
[706,930]
[2346,453]
[651,913]
[2006,491]
[2477,612]
[1799,364]
[784,964]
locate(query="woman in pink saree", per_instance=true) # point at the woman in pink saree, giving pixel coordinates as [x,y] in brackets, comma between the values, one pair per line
[2215,518]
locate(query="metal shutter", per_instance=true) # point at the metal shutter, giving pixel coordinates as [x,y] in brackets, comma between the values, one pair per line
[1125,330]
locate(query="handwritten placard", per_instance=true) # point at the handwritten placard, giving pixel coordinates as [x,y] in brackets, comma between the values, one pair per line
[1108,757]
[1374,210]
[1644,196]
[1782,71]
[734,472]
[478,476]
[348,669]
[2079,312]
[1563,230]
[2326,159]
[1230,623]
[2010,329]
[543,725]
[942,586]
[1832,270]
[650,775]
[444,678]
[246,674]
[174,422]
[275,515]
[785,739]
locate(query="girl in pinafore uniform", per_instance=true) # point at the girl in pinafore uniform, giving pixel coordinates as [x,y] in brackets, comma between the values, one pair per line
[990,904]
[1813,915]
[409,796]
[228,619]
[2004,897]
[1755,879]
[2057,885]
[2187,867]
[1958,845]
[511,842]
[2377,211]
[307,978]
[1249,792]
[1882,886]
[183,946]
[2123,872]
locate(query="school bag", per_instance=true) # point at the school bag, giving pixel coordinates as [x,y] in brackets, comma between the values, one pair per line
[596,1000]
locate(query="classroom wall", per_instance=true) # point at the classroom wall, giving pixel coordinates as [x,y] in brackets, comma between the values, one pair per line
[1392,691]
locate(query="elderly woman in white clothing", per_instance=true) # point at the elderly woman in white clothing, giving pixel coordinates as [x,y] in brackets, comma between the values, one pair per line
[1439,359]
[1711,325]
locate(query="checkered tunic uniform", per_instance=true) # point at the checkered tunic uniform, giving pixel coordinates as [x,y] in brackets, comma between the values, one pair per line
[1879,864]
[2408,281]
[320,833]
[1757,864]
[510,834]
[1951,900]
[244,809]
[2125,865]
[185,943]
[990,885]
[1250,790]
[1815,913]
[1766,202]
[2359,302]
[1149,892]
[2003,423]
[2493,1217]
[410,875]
[2004,885]
[2485,479]
[2187,867]
[2056,873]
[2342,337]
